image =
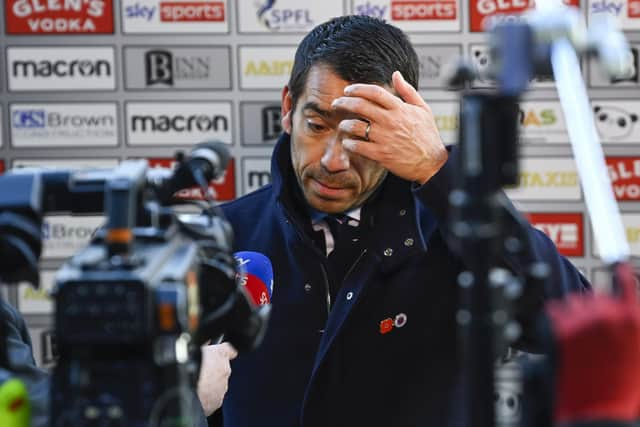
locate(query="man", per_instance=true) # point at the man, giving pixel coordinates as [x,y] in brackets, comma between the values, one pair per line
[363,329]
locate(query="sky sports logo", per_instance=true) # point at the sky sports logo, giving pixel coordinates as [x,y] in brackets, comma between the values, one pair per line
[64,124]
[412,15]
[158,16]
[62,68]
[171,11]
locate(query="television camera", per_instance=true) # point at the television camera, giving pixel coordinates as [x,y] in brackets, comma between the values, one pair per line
[133,308]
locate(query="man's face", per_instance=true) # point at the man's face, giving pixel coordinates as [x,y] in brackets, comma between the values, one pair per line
[332,179]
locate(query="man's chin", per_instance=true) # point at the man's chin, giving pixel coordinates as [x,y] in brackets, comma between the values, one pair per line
[329,206]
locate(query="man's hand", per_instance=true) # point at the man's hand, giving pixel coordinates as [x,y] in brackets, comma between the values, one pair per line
[214,375]
[403,136]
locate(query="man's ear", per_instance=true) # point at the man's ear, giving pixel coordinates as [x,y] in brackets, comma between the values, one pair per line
[286,110]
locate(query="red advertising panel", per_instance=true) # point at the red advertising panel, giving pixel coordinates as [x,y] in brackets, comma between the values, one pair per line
[423,10]
[1,166]
[624,173]
[566,230]
[634,9]
[59,17]
[480,10]
[195,11]
[225,187]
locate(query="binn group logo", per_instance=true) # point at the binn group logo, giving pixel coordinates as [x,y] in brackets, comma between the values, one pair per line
[178,123]
[160,16]
[62,68]
[485,12]
[59,17]
[432,61]
[277,16]
[178,67]
[413,15]
[566,230]
[223,189]
[64,125]
[260,122]
[624,173]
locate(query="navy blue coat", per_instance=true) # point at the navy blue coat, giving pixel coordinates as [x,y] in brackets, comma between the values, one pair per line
[326,363]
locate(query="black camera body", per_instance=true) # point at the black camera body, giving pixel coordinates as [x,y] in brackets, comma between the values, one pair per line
[126,333]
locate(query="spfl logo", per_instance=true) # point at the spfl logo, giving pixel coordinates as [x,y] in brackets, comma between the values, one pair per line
[276,19]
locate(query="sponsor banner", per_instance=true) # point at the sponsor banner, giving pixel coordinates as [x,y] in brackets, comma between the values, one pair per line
[447,118]
[624,173]
[267,114]
[265,67]
[542,122]
[626,13]
[44,345]
[481,62]
[61,68]
[601,279]
[64,124]
[599,78]
[566,230]
[37,301]
[59,17]
[487,12]
[256,172]
[177,16]
[631,222]
[413,15]
[547,179]
[224,188]
[177,123]
[65,235]
[433,58]
[617,121]
[1,166]
[177,67]
[267,16]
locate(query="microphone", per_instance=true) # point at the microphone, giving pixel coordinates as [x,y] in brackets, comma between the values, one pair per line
[256,275]
[208,161]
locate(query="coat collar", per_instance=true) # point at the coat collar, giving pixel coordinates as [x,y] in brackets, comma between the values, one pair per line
[392,218]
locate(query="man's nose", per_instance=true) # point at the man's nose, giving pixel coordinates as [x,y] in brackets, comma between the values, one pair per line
[335,158]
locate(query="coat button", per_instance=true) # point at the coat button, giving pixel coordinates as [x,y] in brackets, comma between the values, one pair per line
[388,252]
[408,242]
[402,212]
[349,296]
[307,287]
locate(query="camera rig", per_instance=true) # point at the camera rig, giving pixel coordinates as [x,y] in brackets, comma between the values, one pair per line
[133,308]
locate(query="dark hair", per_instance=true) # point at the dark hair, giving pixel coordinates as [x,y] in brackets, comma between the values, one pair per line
[358,49]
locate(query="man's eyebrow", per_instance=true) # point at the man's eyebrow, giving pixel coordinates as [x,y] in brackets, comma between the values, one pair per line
[311,105]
